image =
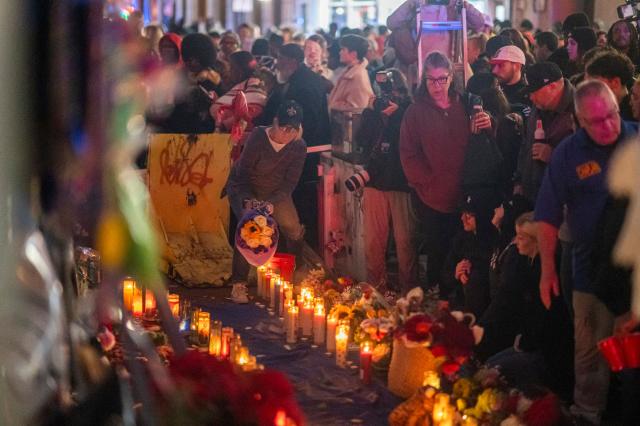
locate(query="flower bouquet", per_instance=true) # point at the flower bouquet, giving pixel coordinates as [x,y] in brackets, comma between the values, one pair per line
[206,391]
[483,397]
[257,233]
[426,339]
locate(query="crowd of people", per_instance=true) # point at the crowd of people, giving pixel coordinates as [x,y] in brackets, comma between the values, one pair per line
[502,183]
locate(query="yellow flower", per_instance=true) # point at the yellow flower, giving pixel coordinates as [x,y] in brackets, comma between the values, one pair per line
[261,221]
[462,388]
[371,313]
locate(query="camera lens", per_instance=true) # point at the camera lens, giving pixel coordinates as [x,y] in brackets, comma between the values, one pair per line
[357,181]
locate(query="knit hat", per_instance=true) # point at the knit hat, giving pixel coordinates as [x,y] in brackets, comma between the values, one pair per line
[575,20]
[585,37]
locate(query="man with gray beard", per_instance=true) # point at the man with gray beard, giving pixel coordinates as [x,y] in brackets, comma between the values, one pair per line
[298,83]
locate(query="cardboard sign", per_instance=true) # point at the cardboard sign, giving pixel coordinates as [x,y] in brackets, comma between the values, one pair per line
[186,177]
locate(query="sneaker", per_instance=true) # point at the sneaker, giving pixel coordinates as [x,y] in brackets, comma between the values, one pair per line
[239,293]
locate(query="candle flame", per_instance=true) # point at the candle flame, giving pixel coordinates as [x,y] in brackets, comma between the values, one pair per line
[280,419]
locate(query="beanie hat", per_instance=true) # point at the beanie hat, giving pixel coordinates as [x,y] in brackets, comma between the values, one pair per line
[585,37]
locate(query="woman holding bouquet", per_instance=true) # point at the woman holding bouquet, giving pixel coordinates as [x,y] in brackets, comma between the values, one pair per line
[268,170]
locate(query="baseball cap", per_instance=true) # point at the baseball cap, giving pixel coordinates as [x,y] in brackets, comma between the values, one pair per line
[541,74]
[495,43]
[289,114]
[509,54]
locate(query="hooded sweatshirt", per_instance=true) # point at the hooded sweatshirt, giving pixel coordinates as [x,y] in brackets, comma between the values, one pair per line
[432,149]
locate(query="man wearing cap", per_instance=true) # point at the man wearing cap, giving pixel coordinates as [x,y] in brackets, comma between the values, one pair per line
[300,84]
[268,170]
[507,65]
[552,98]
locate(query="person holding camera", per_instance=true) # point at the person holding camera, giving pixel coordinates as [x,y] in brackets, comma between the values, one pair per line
[387,194]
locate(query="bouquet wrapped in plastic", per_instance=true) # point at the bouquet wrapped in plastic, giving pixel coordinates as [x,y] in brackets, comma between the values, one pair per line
[257,233]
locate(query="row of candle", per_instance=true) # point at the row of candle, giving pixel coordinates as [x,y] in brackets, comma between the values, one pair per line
[141,302]
[306,317]
[221,342]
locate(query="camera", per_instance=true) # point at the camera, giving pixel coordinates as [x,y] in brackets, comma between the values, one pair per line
[629,10]
[384,79]
[357,181]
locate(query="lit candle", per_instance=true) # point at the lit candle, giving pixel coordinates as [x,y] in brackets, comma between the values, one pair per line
[306,318]
[332,323]
[128,285]
[319,323]
[227,336]
[193,325]
[280,419]
[268,277]
[366,353]
[342,340]
[215,338]
[292,324]
[204,328]
[260,275]
[138,302]
[242,357]
[149,304]
[234,351]
[288,291]
[281,297]
[431,378]
[174,304]
[440,408]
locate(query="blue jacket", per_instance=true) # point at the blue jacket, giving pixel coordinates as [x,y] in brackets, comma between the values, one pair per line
[576,177]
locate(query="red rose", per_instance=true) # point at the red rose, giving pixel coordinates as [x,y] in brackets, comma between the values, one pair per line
[418,327]
[450,368]
[438,351]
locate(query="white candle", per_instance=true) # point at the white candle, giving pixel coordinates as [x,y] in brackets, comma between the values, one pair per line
[342,341]
[332,323]
[292,324]
[318,324]
[272,290]
[306,318]
[260,275]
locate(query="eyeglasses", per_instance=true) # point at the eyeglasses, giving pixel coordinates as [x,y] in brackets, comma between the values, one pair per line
[440,81]
[593,122]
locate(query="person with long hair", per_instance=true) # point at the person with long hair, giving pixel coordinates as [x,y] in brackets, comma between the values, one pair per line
[623,36]
[432,156]
[580,41]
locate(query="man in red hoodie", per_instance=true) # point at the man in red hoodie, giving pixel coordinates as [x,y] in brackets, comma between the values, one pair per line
[433,139]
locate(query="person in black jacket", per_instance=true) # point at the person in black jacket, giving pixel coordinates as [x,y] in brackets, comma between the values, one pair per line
[528,343]
[465,276]
[387,197]
[298,83]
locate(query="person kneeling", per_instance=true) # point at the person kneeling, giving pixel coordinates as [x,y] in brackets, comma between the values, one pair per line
[268,170]
[543,350]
